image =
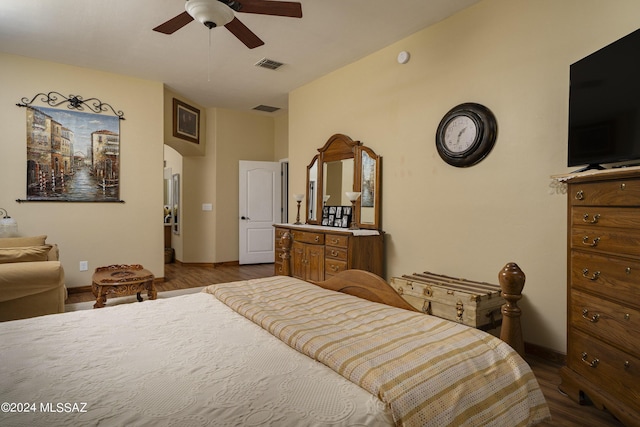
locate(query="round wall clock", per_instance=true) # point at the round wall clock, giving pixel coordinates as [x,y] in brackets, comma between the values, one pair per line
[466,134]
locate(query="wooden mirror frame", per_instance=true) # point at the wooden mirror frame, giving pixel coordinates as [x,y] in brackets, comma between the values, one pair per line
[341,147]
[375,184]
[315,161]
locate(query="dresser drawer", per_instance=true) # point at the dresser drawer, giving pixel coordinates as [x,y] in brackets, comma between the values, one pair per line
[606,320]
[333,266]
[611,277]
[338,240]
[622,242]
[279,232]
[308,237]
[613,370]
[336,253]
[278,268]
[610,193]
[598,216]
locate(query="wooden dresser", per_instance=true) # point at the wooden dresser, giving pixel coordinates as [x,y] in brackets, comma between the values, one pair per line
[318,253]
[603,293]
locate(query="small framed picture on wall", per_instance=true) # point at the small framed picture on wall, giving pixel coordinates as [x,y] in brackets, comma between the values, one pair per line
[186,121]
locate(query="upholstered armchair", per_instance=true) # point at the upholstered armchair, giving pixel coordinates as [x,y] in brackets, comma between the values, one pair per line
[31,278]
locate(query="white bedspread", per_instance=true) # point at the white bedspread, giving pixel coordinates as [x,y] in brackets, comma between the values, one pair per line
[183,361]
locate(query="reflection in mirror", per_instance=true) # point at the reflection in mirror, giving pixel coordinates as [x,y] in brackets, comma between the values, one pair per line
[338,178]
[175,198]
[367,200]
[312,190]
[167,201]
[167,196]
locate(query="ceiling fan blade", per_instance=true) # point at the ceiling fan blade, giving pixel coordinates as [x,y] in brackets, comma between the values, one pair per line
[277,8]
[174,24]
[244,34]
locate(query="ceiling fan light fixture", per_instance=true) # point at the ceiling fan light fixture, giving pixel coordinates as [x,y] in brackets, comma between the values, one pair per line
[211,13]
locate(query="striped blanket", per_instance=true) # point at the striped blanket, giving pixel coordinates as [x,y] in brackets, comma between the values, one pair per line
[431,372]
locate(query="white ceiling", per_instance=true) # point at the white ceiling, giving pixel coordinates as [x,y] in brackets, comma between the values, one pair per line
[116,36]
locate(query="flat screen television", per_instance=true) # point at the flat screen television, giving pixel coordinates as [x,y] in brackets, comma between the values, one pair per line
[604,105]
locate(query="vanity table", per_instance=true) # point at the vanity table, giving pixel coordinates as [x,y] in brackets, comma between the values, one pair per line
[315,251]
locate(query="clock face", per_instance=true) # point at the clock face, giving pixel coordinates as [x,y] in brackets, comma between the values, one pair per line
[466,134]
[460,134]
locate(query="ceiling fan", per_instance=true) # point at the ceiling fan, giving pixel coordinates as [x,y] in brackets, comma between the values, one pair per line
[215,13]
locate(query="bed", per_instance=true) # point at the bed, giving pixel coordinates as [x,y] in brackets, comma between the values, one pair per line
[275,351]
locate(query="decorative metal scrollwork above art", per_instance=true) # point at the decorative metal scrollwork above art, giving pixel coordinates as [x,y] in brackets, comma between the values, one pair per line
[55,99]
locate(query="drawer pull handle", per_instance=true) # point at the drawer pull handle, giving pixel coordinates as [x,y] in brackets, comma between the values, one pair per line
[623,186]
[317,239]
[627,364]
[592,319]
[627,270]
[335,267]
[593,244]
[627,316]
[580,195]
[593,220]
[334,252]
[594,276]
[593,363]
[335,241]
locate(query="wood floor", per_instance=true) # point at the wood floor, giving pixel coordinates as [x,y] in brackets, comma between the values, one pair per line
[564,411]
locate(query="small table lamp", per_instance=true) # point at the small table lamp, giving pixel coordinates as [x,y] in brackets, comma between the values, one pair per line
[353,196]
[298,198]
[8,225]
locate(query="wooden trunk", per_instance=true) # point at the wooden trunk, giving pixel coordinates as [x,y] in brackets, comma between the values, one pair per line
[475,304]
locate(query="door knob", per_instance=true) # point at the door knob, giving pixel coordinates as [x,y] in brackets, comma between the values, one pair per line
[244,217]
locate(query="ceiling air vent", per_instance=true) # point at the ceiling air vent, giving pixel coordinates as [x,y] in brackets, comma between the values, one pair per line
[269,63]
[266,108]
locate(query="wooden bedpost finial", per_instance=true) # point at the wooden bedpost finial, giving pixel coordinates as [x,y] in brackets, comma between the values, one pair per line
[286,253]
[512,280]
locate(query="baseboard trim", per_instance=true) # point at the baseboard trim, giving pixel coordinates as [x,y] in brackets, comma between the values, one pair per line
[226,264]
[209,264]
[195,264]
[545,353]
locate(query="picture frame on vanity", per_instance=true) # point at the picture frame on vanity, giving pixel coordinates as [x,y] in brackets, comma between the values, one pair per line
[336,216]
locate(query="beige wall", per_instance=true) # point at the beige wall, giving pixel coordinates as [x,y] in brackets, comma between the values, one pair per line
[239,136]
[281,136]
[211,177]
[512,56]
[100,233]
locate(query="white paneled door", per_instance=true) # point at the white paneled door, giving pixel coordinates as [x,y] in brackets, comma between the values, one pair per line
[260,194]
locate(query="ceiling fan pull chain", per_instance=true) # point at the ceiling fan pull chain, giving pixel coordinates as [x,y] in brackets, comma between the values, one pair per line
[209,59]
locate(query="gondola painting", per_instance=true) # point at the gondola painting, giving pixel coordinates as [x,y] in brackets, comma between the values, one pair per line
[72,156]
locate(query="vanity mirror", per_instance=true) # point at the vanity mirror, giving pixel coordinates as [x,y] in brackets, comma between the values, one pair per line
[342,165]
